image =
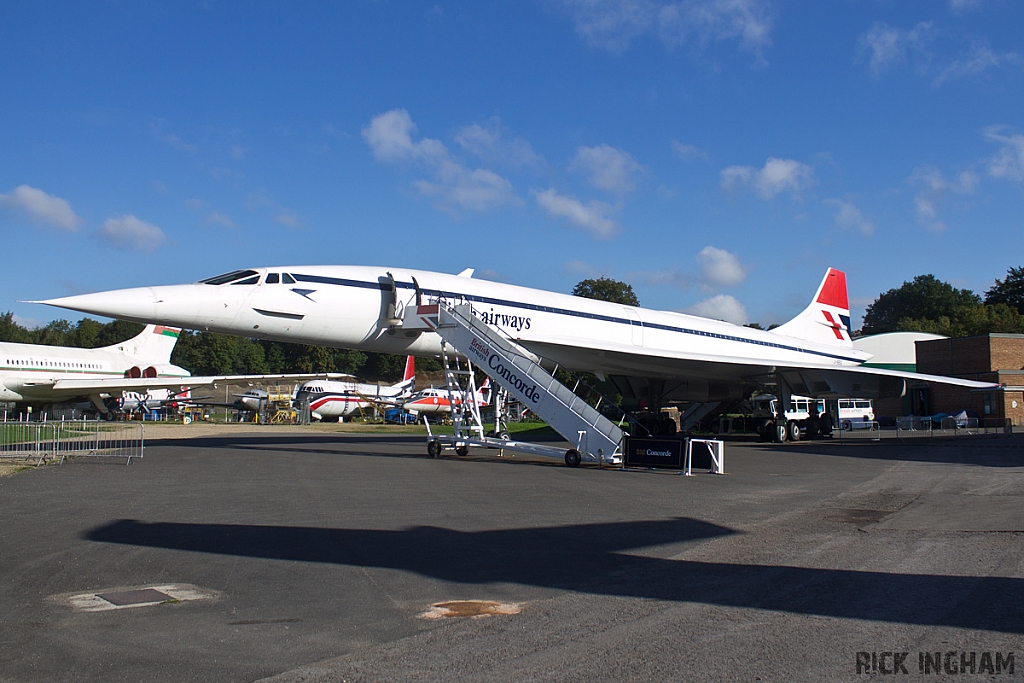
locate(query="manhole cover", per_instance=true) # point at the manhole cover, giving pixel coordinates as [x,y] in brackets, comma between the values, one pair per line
[136,597]
[469,608]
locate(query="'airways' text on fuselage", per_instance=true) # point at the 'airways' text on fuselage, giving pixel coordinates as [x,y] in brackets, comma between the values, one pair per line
[516,322]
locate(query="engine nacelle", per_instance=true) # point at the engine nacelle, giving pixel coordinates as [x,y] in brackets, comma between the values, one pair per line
[153,371]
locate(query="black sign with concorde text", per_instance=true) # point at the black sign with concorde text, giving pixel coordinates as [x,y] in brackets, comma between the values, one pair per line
[646,452]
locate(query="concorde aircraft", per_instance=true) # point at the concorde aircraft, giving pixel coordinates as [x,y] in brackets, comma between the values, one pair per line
[38,375]
[659,355]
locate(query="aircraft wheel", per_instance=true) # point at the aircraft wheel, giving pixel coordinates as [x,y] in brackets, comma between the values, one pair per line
[504,436]
[572,457]
[434,449]
[462,451]
[793,430]
[847,426]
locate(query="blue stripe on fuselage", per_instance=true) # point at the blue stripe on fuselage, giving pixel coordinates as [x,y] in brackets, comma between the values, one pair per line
[563,311]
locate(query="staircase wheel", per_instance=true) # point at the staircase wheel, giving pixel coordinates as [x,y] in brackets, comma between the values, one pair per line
[462,451]
[572,457]
[434,449]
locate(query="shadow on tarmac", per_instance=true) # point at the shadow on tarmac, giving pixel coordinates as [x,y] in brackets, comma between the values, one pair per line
[986,451]
[590,558]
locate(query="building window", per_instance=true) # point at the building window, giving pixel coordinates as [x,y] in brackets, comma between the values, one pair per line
[990,404]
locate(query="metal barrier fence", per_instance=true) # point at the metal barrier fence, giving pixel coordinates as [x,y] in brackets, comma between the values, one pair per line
[957,426]
[42,440]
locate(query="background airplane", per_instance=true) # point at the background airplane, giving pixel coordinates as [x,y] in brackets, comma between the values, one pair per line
[330,399]
[37,376]
[437,401]
[659,355]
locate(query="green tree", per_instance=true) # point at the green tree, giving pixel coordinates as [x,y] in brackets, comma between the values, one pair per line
[117,332]
[10,331]
[606,289]
[1009,291]
[54,333]
[86,333]
[969,321]
[924,298]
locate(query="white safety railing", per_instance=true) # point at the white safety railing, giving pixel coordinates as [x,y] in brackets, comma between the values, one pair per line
[43,440]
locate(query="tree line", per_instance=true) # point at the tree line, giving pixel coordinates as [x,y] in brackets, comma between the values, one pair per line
[927,304]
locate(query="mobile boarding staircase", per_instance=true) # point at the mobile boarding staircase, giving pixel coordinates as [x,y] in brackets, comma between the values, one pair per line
[595,438]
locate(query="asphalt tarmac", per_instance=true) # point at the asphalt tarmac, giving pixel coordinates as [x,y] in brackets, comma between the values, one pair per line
[315,557]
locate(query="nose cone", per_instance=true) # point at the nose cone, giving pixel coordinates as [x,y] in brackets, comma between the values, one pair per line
[138,304]
[177,305]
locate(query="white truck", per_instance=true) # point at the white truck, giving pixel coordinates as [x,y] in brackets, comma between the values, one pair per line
[809,417]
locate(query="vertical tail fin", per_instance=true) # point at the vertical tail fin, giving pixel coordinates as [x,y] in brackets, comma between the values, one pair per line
[408,383]
[827,319]
[152,346]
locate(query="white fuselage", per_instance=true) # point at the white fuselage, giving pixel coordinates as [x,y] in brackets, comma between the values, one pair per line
[350,307]
[329,399]
[28,371]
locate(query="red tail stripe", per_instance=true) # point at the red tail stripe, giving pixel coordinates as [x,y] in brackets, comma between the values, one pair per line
[833,290]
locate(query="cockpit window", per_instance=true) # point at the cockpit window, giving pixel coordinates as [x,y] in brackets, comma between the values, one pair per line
[273,278]
[287,279]
[229,277]
[247,281]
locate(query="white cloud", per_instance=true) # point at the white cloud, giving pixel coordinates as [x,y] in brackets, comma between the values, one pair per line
[706,21]
[390,137]
[221,219]
[721,307]
[582,268]
[849,217]
[720,268]
[158,130]
[130,233]
[27,323]
[490,144]
[287,218]
[41,208]
[924,46]
[688,151]
[261,201]
[592,217]
[978,60]
[1009,160]
[963,5]
[610,169]
[614,24]
[672,277]
[477,190]
[777,176]
[454,186]
[933,188]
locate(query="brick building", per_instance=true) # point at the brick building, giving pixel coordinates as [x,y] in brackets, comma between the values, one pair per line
[988,358]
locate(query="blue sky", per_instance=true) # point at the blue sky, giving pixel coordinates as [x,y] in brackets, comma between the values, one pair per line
[716,154]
